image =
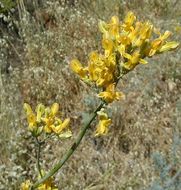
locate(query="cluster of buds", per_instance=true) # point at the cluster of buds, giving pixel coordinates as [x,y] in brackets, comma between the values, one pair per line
[125,45]
[45,119]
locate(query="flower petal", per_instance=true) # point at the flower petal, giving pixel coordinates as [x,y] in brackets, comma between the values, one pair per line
[169,46]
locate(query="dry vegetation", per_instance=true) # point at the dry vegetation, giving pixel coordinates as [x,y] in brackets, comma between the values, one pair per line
[141,150]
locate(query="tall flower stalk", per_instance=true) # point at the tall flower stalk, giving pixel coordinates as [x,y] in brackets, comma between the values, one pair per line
[125,45]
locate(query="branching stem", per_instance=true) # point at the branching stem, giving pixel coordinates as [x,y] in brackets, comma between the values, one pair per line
[62,161]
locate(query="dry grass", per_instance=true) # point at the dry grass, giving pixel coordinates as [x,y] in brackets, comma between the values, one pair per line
[35,69]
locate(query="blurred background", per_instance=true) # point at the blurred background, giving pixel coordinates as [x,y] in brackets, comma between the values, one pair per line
[38,38]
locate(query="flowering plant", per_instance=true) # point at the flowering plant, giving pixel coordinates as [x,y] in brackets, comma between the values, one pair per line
[125,45]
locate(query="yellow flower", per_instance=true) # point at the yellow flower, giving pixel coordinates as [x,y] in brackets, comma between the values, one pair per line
[104,123]
[94,72]
[54,109]
[124,40]
[27,108]
[48,123]
[32,122]
[34,119]
[103,27]
[133,60]
[110,94]
[105,78]
[114,27]
[61,126]
[77,67]
[108,46]
[141,33]
[122,51]
[94,57]
[165,35]
[128,21]
[48,184]
[31,117]
[53,123]
[50,117]
[146,30]
[101,69]
[110,30]
[95,65]
[169,46]
[25,185]
[110,63]
[159,45]
[40,109]
[46,120]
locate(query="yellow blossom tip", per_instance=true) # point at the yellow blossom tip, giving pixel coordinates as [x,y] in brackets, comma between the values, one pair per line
[55,108]
[40,109]
[77,67]
[130,18]
[104,123]
[27,108]
[169,46]
[115,20]
[102,26]
[166,35]
[65,123]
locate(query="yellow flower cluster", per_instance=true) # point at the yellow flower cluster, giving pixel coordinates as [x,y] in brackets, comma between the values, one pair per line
[102,70]
[134,40]
[45,119]
[126,44]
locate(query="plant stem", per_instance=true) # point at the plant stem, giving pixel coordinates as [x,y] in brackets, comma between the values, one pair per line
[38,156]
[62,161]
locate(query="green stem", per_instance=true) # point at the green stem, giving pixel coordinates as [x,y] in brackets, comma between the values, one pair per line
[71,150]
[38,156]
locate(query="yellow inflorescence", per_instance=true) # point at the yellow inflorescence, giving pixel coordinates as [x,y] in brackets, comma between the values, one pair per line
[104,123]
[45,119]
[126,44]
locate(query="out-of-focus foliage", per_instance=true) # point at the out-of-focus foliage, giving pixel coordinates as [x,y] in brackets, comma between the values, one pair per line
[168,168]
[6,5]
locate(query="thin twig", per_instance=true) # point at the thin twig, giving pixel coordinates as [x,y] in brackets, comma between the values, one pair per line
[38,156]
